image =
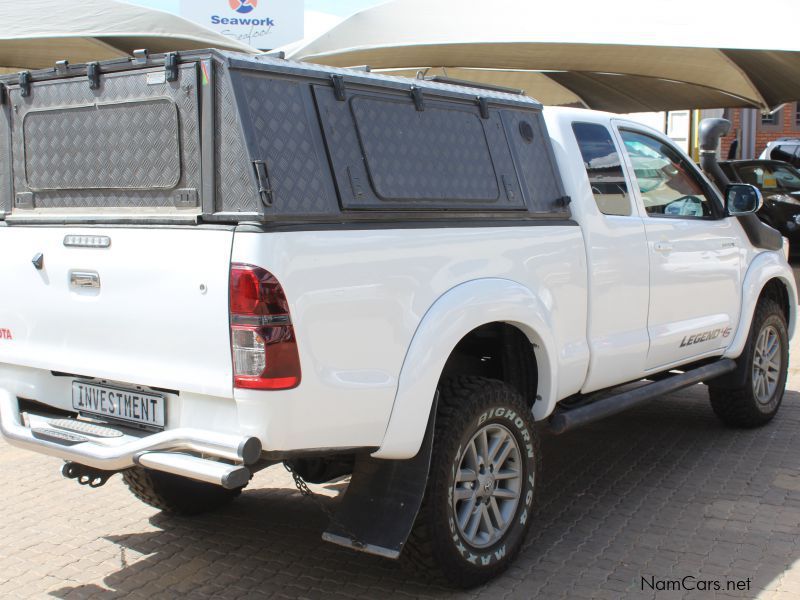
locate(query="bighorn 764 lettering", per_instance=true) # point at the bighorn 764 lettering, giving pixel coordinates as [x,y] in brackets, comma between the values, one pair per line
[222,263]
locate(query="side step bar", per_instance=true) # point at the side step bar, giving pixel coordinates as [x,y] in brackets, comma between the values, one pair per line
[564,420]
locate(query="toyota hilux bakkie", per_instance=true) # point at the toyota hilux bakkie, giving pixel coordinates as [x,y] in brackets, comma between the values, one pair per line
[213,263]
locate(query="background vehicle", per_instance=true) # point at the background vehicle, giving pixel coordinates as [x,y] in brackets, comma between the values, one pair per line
[779,183]
[784,149]
[221,263]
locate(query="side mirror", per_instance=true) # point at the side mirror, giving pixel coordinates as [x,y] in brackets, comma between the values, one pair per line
[742,199]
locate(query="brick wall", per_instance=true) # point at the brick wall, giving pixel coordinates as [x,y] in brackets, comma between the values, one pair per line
[735,116]
[786,126]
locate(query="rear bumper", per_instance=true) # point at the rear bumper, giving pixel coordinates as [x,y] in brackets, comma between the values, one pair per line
[193,453]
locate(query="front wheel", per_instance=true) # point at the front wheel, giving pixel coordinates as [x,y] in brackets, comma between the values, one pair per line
[761,372]
[484,469]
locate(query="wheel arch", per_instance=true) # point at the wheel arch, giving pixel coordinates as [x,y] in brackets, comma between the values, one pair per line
[768,276]
[776,290]
[469,309]
[500,351]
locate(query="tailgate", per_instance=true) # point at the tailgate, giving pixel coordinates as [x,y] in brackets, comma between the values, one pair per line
[151,308]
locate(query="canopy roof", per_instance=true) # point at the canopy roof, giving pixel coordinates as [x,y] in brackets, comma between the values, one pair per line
[37,33]
[678,54]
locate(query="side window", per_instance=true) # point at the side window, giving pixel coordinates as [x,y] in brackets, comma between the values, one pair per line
[784,153]
[771,177]
[755,176]
[604,168]
[668,185]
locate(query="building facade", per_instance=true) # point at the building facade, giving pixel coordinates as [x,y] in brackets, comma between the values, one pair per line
[754,130]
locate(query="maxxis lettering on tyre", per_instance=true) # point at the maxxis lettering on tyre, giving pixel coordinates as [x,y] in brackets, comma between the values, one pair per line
[466,406]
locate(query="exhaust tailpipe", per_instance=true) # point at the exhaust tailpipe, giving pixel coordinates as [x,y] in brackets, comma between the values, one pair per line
[185,465]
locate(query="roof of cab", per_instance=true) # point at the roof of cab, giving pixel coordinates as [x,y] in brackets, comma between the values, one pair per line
[571,114]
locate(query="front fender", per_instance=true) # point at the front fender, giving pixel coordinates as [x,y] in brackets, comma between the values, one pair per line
[765,266]
[453,315]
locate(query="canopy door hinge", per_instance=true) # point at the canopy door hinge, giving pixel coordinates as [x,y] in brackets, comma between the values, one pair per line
[171,66]
[483,104]
[25,83]
[93,75]
[339,90]
[419,99]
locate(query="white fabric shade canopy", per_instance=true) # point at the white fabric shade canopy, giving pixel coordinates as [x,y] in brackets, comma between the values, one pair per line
[35,34]
[623,56]
[601,91]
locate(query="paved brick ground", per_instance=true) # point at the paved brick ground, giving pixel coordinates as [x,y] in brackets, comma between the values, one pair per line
[664,492]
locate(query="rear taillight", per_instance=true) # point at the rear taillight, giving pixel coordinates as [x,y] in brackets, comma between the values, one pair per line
[262,336]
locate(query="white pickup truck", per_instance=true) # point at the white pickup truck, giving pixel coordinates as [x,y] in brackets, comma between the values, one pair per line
[214,263]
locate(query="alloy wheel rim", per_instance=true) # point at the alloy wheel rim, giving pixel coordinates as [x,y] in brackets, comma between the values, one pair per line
[766,364]
[487,485]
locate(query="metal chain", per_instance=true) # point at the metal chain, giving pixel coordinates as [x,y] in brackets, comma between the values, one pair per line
[306,491]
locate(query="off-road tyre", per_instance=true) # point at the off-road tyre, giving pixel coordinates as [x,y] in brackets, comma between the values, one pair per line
[174,494]
[436,545]
[740,406]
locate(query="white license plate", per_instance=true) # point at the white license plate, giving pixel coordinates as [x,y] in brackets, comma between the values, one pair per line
[127,405]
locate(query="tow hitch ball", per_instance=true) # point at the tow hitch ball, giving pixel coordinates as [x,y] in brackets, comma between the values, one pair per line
[85,475]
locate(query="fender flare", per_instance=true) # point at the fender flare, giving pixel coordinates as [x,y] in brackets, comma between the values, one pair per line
[452,316]
[765,266]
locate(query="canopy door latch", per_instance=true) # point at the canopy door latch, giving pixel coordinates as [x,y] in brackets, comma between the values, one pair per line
[262,178]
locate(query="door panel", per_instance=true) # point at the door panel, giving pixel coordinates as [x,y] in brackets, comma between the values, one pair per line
[694,287]
[694,253]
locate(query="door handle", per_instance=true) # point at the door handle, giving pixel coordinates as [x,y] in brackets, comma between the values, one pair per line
[84,279]
[662,247]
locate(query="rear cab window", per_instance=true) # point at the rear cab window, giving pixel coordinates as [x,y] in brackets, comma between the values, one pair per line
[604,168]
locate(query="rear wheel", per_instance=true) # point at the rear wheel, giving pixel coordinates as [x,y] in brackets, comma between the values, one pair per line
[761,372]
[484,466]
[174,494]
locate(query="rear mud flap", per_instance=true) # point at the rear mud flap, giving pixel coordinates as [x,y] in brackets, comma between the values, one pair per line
[378,510]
